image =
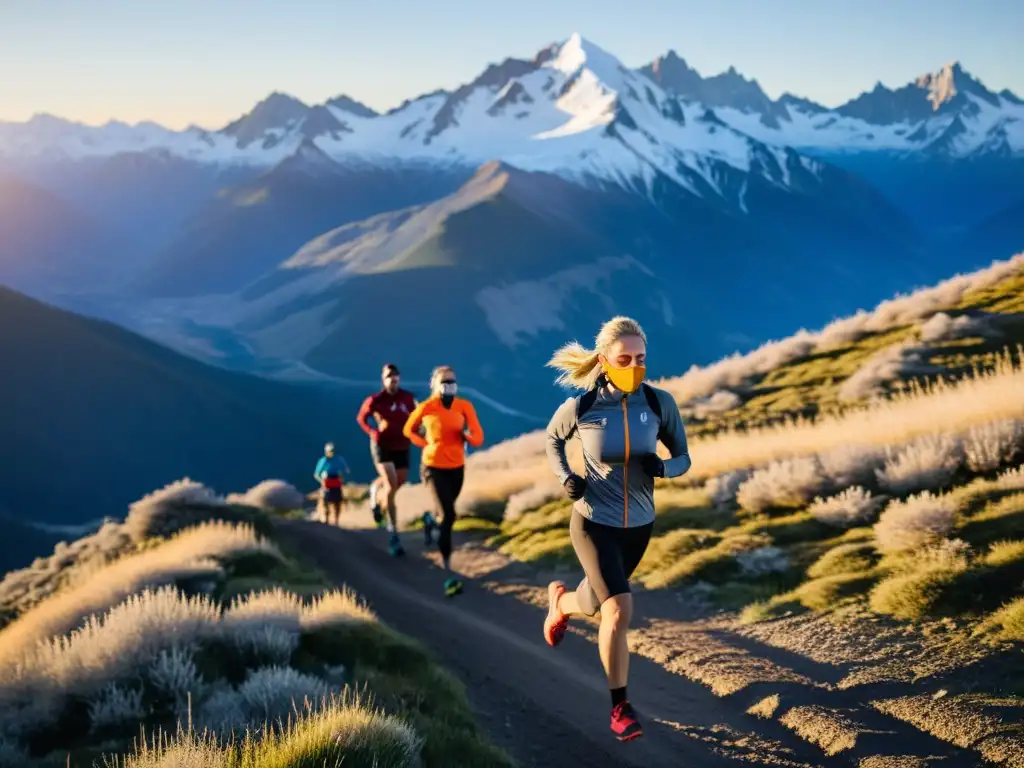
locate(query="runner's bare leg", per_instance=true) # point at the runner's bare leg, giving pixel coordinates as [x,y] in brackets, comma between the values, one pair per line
[401,475]
[388,478]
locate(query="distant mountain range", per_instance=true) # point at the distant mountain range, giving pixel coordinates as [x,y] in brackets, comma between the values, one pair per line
[507,112]
[485,225]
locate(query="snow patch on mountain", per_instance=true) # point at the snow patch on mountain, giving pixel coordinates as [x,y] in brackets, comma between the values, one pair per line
[518,311]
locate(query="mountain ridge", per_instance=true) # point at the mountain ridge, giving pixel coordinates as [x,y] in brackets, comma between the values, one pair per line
[273,127]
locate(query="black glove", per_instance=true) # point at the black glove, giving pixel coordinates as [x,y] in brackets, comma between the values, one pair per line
[653,465]
[575,486]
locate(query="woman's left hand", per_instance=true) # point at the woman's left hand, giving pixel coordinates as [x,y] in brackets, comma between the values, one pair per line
[653,465]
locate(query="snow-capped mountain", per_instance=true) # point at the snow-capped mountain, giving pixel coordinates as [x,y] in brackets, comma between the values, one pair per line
[947,114]
[574,110]
[728,89]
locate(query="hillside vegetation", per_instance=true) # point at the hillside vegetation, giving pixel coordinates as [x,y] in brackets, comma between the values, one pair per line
[185,635]
[877,461]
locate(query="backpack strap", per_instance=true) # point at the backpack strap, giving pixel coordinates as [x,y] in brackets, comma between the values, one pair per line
[652,399]
[654,404]
[585,402]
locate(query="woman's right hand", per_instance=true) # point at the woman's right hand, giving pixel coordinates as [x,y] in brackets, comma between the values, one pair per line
[575,487]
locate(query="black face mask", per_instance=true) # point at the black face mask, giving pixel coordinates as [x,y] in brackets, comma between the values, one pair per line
[447,400]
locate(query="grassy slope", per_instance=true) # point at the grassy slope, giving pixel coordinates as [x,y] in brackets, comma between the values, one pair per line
[95,416]
[810,385]
[388,697]
[808,564]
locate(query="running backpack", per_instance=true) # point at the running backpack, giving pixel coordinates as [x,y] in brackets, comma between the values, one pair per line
[587,399]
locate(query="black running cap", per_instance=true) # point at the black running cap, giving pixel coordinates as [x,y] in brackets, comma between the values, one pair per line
[389,369]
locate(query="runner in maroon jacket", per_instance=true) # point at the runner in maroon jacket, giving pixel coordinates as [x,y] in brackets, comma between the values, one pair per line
[382,416]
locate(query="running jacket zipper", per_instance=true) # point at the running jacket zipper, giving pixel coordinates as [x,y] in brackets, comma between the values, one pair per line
[625,467]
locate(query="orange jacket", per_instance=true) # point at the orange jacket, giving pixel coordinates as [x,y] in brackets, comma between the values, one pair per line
[445,428]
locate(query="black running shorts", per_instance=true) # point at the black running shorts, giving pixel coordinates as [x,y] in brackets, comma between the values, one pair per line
[383,456]
[609,555]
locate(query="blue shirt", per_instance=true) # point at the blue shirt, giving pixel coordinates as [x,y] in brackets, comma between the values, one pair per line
[330,466]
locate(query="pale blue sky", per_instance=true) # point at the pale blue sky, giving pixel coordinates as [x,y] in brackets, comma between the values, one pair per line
[208,61]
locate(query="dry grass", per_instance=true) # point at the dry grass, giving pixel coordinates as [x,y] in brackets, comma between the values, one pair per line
[916,522]
[788,483]
[186,555]
[927,463]
[987,447]
[892,363]
[738,370]
[160,647]
[26,587]
[341,731]
[942,327]
[843,560]
[722,489]
[978,398]
[854,506]
[107,650]
[338,607]
[716,564]
[853,440]
[830,729]
[766,707]
[962,719]
[533,498]
[1008,621]
[271,495]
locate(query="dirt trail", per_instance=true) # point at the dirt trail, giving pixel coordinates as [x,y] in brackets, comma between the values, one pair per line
[547,707]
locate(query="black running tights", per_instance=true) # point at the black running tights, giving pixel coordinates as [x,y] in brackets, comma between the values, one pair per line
[446,484]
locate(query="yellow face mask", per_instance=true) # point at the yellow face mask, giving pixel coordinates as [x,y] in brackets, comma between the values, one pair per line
[625,379]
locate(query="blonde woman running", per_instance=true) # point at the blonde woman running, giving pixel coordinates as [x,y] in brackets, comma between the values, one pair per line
[448,423]
[620,421]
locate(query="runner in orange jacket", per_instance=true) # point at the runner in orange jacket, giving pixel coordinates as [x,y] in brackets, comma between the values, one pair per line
[448,423]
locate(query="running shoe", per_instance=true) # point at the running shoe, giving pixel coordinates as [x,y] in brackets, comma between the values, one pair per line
[452,587]
[395,546]
[556,621]
[624,722]
[378,513]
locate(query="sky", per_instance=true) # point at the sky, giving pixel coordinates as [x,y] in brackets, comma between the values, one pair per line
[206,62]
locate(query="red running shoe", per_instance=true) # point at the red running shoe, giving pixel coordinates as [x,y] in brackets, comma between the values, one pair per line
[624,722]
[556,621]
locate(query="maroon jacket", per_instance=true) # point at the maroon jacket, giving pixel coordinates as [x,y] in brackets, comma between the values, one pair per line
[394,410]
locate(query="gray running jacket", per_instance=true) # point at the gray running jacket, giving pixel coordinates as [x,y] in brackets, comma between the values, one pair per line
[616,432]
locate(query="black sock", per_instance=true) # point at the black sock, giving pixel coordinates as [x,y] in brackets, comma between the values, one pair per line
[618,695]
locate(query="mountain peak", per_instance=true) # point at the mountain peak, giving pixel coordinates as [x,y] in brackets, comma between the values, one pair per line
[577,52]
[951,80]
[350,105]
[942,92]
[941,85]
[672,72]
[726,89]
[276,111]
[309,160]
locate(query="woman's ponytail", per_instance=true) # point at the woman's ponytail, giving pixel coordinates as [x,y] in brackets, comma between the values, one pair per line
[578,365]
